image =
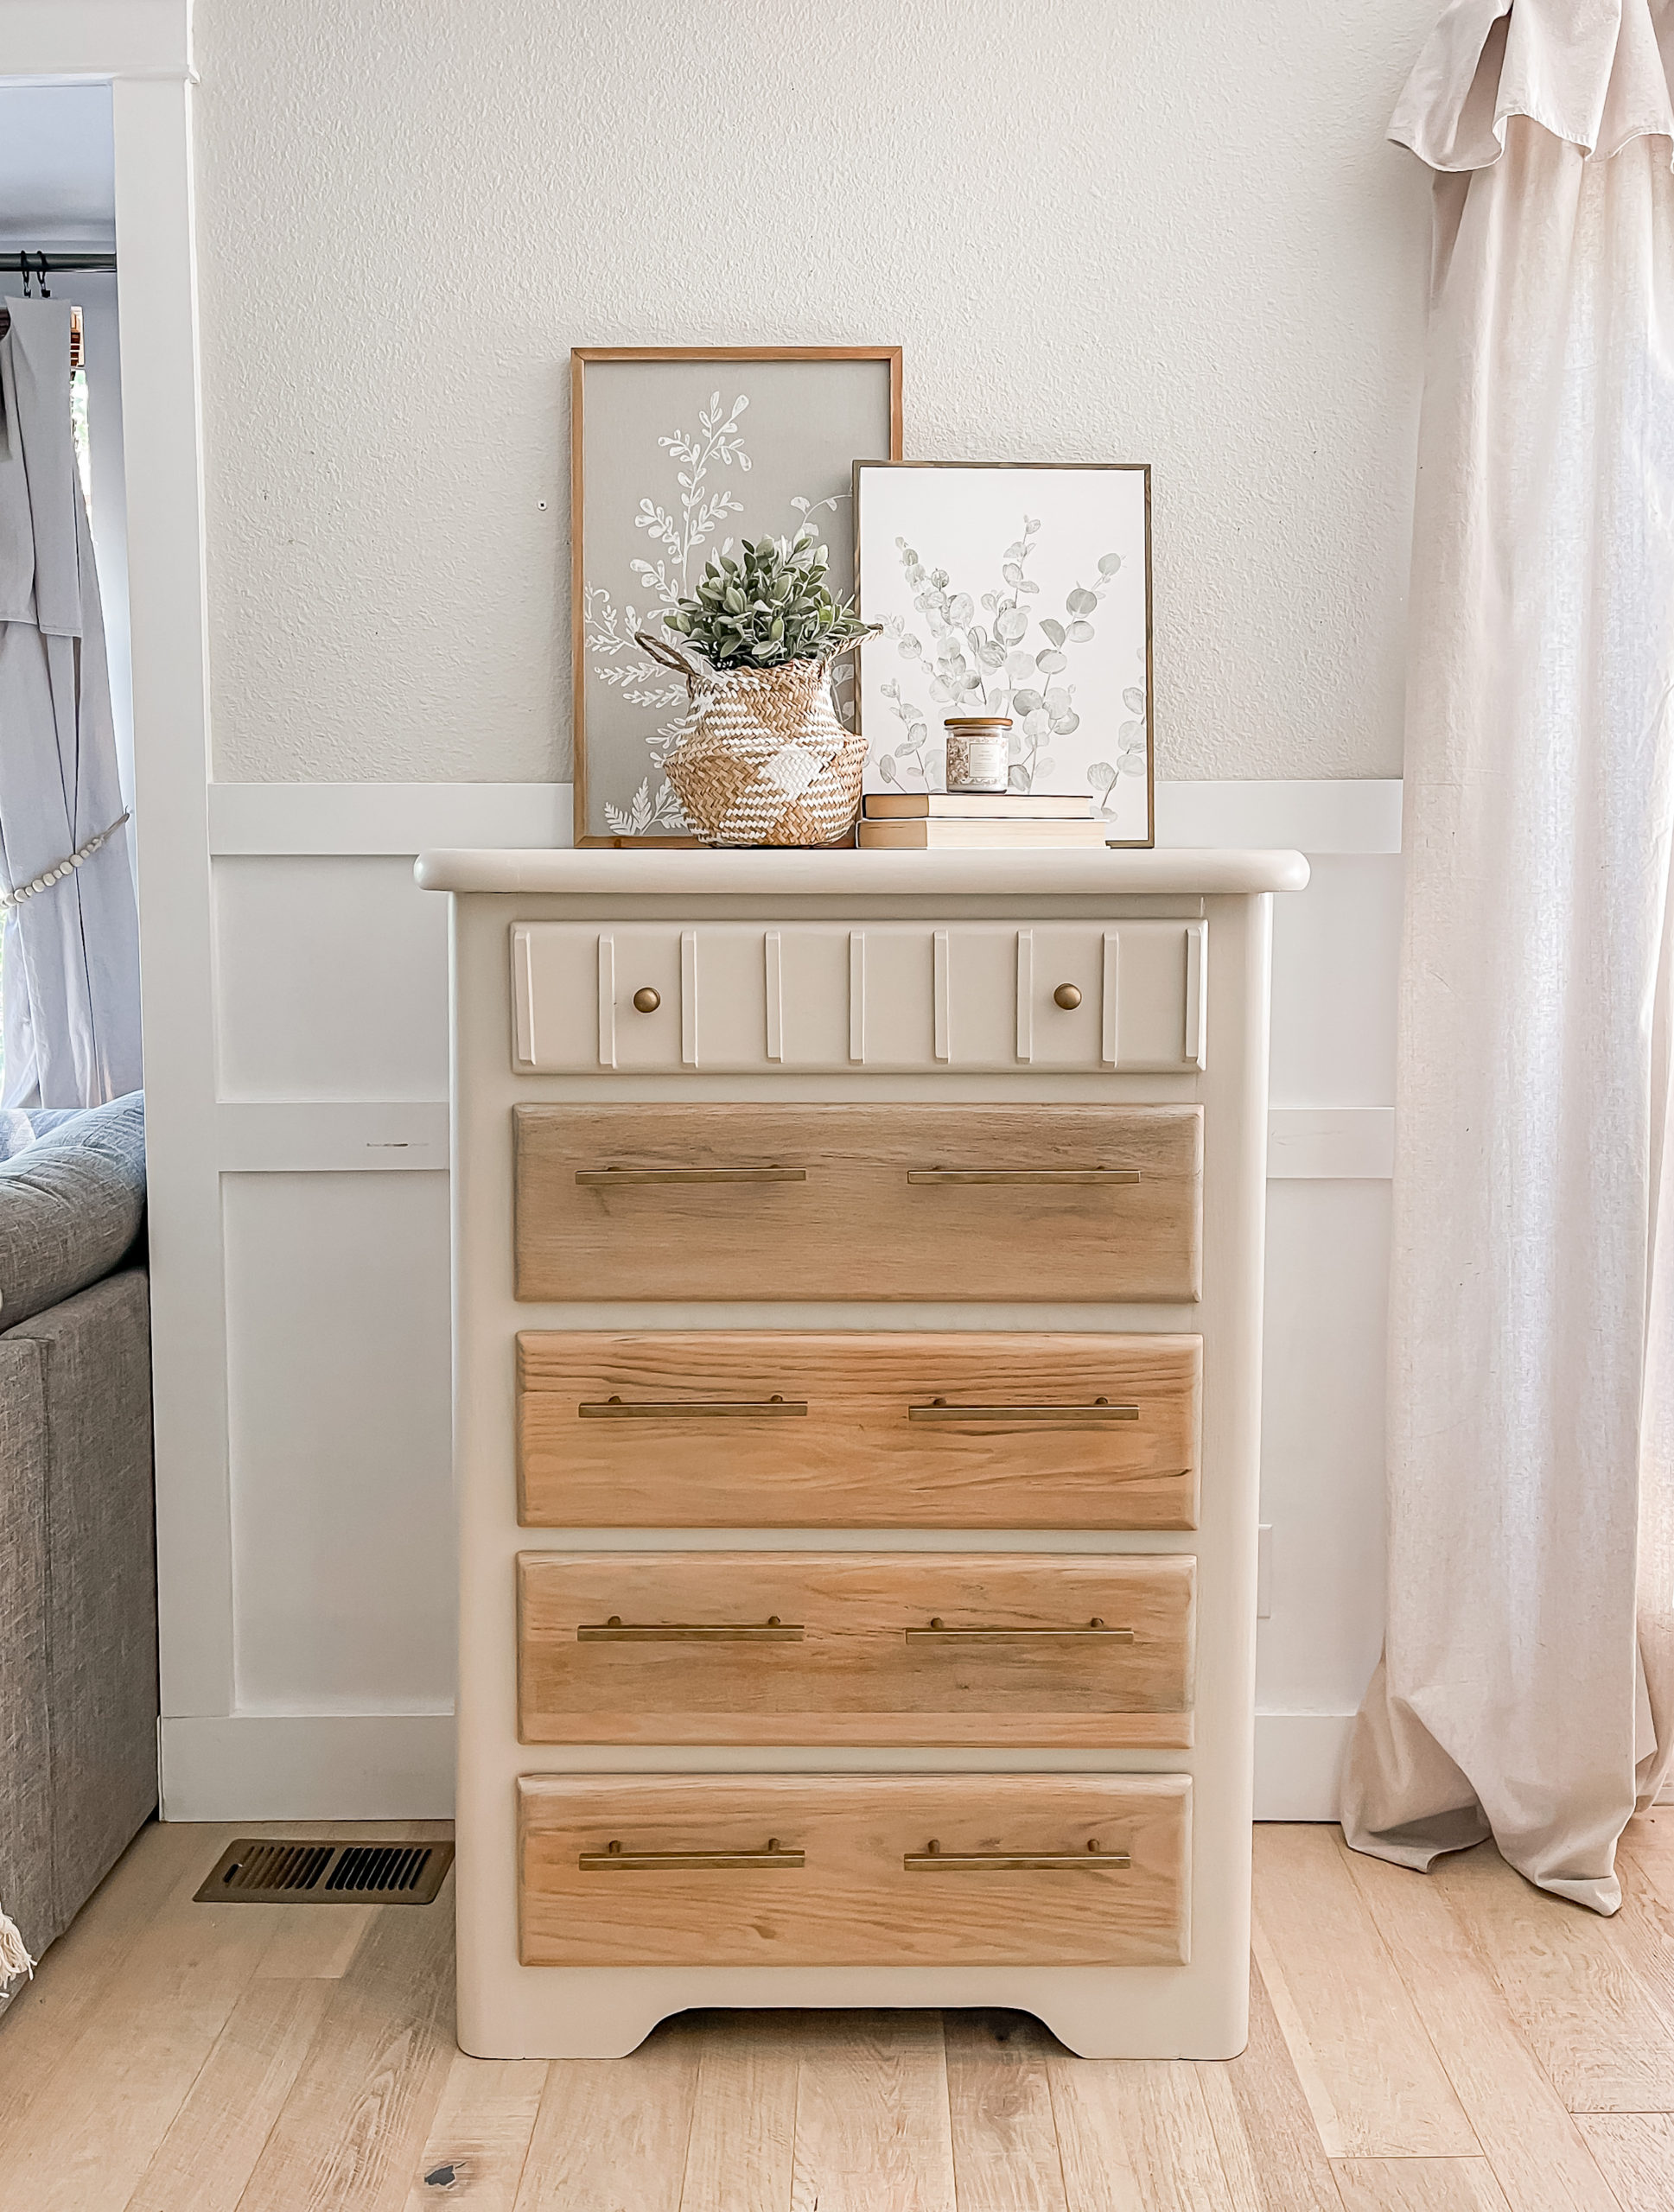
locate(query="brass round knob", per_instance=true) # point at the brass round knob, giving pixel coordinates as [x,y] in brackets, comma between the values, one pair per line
[645,1001]
[1065,995]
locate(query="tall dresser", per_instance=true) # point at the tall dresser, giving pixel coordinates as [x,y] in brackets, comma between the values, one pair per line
[857,1306]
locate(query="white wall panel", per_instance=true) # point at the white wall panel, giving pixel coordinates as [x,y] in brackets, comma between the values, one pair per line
[332,979]
[1335,952]
[338,1431]
[1322,1443]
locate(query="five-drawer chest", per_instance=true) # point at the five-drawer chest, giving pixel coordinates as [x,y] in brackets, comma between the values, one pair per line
[857,1315]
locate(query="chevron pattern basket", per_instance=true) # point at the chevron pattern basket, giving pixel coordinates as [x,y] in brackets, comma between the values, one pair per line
[761,758]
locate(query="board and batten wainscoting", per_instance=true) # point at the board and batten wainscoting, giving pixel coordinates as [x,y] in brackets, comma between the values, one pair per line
[308,1621]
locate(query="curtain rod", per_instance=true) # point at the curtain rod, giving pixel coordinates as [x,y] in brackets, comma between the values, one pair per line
[16,263]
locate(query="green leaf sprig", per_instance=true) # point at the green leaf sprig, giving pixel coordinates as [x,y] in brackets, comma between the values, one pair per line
[765,604]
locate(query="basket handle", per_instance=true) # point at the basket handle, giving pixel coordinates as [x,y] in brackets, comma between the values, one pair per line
[670,655]
[848,644]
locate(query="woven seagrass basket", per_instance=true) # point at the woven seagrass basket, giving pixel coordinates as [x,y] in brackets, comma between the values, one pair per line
[761,758]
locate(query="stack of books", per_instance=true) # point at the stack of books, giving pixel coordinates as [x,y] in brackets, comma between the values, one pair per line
[932,822]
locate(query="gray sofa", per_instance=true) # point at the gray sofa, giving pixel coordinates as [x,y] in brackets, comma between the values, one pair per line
[78,1573]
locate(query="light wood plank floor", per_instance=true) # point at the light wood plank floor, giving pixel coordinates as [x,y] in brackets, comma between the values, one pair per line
[1455,2044]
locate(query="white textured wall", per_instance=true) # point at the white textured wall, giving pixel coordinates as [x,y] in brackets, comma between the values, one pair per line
[1119,229]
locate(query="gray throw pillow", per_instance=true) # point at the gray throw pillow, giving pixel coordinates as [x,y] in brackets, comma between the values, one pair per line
[71,1205]
[21,1128]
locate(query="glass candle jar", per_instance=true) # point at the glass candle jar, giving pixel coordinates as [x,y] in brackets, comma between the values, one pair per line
[979,752]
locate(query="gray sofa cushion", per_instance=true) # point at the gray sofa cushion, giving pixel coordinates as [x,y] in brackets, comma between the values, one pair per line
[101,1577]
[77,1601]
[71,1205]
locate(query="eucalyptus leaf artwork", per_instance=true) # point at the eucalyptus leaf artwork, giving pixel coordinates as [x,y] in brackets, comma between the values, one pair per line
[1013,589]
[683,458]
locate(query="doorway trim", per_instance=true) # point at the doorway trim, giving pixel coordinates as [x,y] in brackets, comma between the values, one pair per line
[142,49]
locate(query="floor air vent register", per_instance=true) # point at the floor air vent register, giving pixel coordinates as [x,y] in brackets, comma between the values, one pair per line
[304,1870]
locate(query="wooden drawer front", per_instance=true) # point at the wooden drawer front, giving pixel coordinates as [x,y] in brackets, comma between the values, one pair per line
[663,1870]
[1100,1203]
[725,1429]
[732,996]
[854,1648]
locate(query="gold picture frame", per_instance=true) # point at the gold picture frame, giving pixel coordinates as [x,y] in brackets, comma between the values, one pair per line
[631,408]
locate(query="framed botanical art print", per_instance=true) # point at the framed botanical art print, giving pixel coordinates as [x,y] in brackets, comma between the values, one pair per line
[1013,588]
[677,452]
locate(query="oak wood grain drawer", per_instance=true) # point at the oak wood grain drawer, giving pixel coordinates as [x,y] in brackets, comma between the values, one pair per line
[1064,1202]
[735,1429]
[644,1870]
[802,996]
[854,1648]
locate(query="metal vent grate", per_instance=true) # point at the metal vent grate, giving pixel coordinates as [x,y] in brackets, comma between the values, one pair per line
[309,1870]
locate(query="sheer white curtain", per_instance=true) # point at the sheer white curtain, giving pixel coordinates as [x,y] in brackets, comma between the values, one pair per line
[1525,1689]
[71,998]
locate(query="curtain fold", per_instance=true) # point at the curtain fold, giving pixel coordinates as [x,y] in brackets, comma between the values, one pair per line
[71,949]
[1525,1689]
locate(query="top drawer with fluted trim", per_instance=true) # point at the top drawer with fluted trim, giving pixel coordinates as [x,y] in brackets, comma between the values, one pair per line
[750,997]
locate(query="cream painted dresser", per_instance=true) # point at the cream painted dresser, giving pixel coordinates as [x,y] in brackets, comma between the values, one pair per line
[858,1276]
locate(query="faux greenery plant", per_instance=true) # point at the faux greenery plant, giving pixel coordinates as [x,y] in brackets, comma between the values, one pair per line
[764,605]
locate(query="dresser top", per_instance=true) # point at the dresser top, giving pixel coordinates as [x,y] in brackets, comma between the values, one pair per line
[692,872]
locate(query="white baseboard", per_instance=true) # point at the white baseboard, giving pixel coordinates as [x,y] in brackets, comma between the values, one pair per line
[400,1766]
[1299,1759]
[378,1766]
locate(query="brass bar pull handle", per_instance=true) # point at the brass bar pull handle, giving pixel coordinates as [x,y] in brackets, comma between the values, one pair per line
[1101,1410]
[939,1632]
[602,1178]
[1022,1175]
[934,1861]
[612,1860]
[771,1408]
[616,1630]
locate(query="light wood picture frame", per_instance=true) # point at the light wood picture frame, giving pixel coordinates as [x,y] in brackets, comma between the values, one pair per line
[1020,588]
[676,452]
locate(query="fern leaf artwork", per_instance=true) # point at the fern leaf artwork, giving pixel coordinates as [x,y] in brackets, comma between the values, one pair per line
[686,463]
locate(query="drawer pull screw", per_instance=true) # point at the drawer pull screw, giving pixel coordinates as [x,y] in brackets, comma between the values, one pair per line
[1067,996]
[645,1001]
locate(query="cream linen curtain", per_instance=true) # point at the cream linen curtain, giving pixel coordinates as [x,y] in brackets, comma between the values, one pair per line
[1531,1418]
